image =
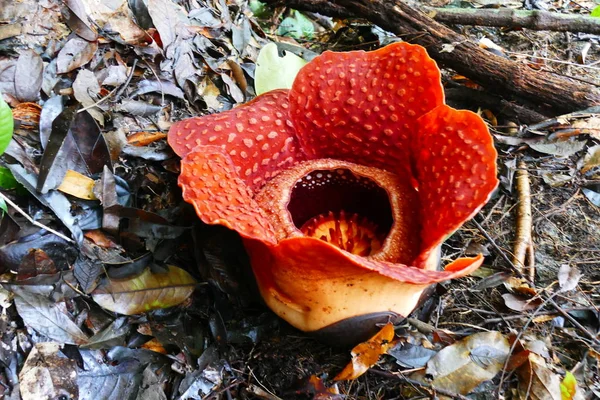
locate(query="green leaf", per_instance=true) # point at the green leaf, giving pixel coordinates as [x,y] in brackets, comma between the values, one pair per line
[595,12]
[7,180]
[568,387]
[296,26]
[3,206]
[258,8]
[7,125]
[145,292]
[275,72]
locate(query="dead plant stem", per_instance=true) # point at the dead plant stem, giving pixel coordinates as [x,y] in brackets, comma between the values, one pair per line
[524,221]
[32,221]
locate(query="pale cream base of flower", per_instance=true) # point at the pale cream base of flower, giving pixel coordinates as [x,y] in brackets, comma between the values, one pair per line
[316,298]
[335,300]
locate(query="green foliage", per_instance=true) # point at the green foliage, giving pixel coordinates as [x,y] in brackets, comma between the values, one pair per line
[275,72]
[296,26]
[595,12]
[258,8]
[568,387]
[7,180]
[6,125]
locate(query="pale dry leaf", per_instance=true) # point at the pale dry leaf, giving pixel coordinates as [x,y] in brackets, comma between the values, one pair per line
[467,363]
[48,374]
[77,185]
[148,291]
[47,318]
[77,52]
[168,18]
[568,277]
[28,76]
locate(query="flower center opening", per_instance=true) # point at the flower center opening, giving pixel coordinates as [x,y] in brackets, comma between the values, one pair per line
[349,211]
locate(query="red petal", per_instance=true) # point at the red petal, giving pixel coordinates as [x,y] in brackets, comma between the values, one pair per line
[456,170]
[210,183]
[258,136]
[362,107]
[312,284]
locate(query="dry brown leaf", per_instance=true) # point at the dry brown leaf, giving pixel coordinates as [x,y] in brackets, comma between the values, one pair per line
[77,52]
[462,367]
[145,292]
[366,354]
[536,381]
[521,303]
[155,346]
[145,138]
[99,238]
[591,159]
[78,185]
[27,115]
[28,76]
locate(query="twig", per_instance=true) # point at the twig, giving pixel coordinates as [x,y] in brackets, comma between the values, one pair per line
[534,19]
[129,76]
[31,220]
[497,248]
[523,237]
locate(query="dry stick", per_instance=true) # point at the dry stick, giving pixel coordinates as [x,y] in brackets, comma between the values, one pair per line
[32,221]
[458,96]
[535,20]
[523,238]
[467,58]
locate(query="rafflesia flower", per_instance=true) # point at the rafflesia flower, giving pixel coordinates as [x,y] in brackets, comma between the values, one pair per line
[343,187]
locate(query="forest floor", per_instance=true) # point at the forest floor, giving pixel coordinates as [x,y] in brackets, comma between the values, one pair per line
[221,342]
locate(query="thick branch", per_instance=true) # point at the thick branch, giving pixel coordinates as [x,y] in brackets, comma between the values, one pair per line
[457,52]
[536,20]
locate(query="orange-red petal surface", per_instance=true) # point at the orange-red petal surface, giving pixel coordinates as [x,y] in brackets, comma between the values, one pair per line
[209,182]
[363,106]
[456,170]
[258,136]
[312,284]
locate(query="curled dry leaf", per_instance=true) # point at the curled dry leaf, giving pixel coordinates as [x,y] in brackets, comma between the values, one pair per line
[145,138]
[462,367]
[77,52]
[568,277]
[366,354]
[145,292]
[520,303]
